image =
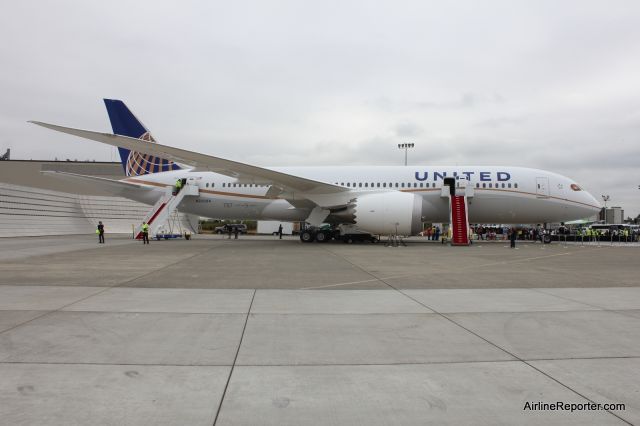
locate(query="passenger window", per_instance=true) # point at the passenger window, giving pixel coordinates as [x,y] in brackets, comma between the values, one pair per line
[477,184]
[378,184]
[384,184]
[402,184]
[207,185]
[503,184]
[484,185]
[223,185]
[360,184]
[213,184]
[349,184]
[515,185]
[509,185]
[421,184]
[490,185]
[366,184]
[397,184]
[415,185]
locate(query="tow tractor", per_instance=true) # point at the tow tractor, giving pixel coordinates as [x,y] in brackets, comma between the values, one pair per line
[345,233]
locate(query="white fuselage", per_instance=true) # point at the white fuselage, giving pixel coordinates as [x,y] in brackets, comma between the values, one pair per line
[500,194]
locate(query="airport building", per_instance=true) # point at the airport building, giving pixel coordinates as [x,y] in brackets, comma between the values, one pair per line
[613,215]
[33,203]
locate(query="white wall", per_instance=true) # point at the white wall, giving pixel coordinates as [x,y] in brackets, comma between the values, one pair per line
[26,211]
[271,226]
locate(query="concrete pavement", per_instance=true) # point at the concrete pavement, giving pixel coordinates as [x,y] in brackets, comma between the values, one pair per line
[150,339]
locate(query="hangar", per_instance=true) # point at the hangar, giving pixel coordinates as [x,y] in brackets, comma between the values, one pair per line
[33,204]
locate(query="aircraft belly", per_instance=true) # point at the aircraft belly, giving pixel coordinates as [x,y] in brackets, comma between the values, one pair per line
[242,209]
[496,207]
[501,207]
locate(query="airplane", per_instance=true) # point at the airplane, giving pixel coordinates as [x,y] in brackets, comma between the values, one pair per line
[377,200]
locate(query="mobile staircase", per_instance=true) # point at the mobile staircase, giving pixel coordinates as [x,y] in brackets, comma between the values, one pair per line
[164,209]
[457,191]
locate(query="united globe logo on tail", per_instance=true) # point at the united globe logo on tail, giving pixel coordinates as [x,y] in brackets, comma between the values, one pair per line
[141,164]
[124,123]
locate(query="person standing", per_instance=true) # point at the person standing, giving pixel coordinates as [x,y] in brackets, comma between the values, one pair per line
[178,186]
[512,236]
[280,231]
[145,233]
[235,232]
[100,232]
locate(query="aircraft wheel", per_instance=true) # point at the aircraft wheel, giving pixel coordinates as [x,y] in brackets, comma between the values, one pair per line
[307,236]
[322,237]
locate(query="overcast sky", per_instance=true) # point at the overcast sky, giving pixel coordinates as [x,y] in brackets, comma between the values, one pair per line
[547,84]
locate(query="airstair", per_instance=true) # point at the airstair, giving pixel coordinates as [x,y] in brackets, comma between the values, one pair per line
[165,208]
[459,220]
[458,192]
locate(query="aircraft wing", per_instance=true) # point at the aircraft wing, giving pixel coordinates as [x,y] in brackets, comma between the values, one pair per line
[115,187]
[288,184]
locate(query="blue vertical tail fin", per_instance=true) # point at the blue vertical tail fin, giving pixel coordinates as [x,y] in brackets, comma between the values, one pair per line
[124,123]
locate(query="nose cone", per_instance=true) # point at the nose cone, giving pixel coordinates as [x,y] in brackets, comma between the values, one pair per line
[593,201]
[589,204]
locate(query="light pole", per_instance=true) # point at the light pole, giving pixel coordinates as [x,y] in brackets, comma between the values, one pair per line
[605,198]
[406,147]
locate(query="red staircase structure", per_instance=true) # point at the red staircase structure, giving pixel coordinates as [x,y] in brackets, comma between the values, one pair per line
[459,220]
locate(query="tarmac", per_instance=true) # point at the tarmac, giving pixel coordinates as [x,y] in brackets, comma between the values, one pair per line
[275,332]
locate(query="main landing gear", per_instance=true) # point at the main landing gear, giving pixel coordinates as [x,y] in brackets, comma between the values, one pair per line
[322,235]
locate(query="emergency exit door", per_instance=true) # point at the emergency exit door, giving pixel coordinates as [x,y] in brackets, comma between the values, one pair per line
[542,187]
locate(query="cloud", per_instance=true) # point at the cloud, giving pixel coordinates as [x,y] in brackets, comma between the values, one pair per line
[540,84]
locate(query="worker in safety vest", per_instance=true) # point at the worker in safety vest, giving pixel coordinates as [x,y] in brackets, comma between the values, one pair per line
[100,232]
[145,233]
[178,185]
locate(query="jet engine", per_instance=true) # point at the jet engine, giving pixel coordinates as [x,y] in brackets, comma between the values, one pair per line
[389,213]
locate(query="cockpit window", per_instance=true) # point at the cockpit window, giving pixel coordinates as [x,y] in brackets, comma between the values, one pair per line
[575,187]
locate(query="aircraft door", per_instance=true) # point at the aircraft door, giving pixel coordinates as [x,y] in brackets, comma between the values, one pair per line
[542,187]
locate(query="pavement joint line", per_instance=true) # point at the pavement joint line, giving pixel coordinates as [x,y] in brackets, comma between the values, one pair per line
[528,362]
[235,359]
[361,282]
[486,340]
[156,312]
[402,313]
[360,364]
[102,290]
[600,308]
[376,278]
[339,284]
[28,251]
[509,262]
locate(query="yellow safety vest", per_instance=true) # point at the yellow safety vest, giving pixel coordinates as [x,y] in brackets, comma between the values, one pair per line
[145,228]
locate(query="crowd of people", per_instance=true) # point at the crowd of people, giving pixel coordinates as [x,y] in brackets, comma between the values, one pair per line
[538,233]
[503,232]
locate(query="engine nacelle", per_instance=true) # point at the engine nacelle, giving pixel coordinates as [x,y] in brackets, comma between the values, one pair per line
[389,213]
